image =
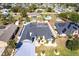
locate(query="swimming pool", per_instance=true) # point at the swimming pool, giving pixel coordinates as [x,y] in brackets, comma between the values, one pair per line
[37,29]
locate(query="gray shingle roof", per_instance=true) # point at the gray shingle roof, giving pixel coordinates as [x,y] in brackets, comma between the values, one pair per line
[7,34]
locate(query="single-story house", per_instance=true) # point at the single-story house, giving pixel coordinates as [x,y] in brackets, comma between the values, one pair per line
[66,27]
[8,33]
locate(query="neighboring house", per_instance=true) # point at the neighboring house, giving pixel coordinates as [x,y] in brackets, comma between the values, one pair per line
[21,4]
[6,5]
[62,8]
[33,14]
[70,9]
[50,5]
[45,5]
[39,10]
[8,33]
[59,9]
[65,28]
[1,6]
[13,5]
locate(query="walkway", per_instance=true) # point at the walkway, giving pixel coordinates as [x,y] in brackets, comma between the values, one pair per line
[52,30]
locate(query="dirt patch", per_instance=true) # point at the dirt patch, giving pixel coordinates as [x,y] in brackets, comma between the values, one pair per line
[61,41]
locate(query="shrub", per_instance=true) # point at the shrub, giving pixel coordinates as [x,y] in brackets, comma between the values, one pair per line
[12,43]
[72,44]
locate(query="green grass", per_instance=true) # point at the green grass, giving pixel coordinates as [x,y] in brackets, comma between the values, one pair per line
[63,52]
[68,52]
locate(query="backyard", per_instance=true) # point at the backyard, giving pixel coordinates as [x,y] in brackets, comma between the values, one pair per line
[61,49]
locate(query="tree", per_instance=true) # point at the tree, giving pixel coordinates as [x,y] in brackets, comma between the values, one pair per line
[3,20]
[16,9]
[32,8]
[24,12]
[63,15]
[49,9]
[27,19]
[74,17]
[12,43]
[11,46]
[7,20]
[71,4]
[72,43]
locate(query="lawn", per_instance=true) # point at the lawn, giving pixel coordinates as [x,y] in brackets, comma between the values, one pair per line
[49,51]
[63,52]
[67,52]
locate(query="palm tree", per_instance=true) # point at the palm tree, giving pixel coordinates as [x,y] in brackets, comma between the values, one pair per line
[49,9]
